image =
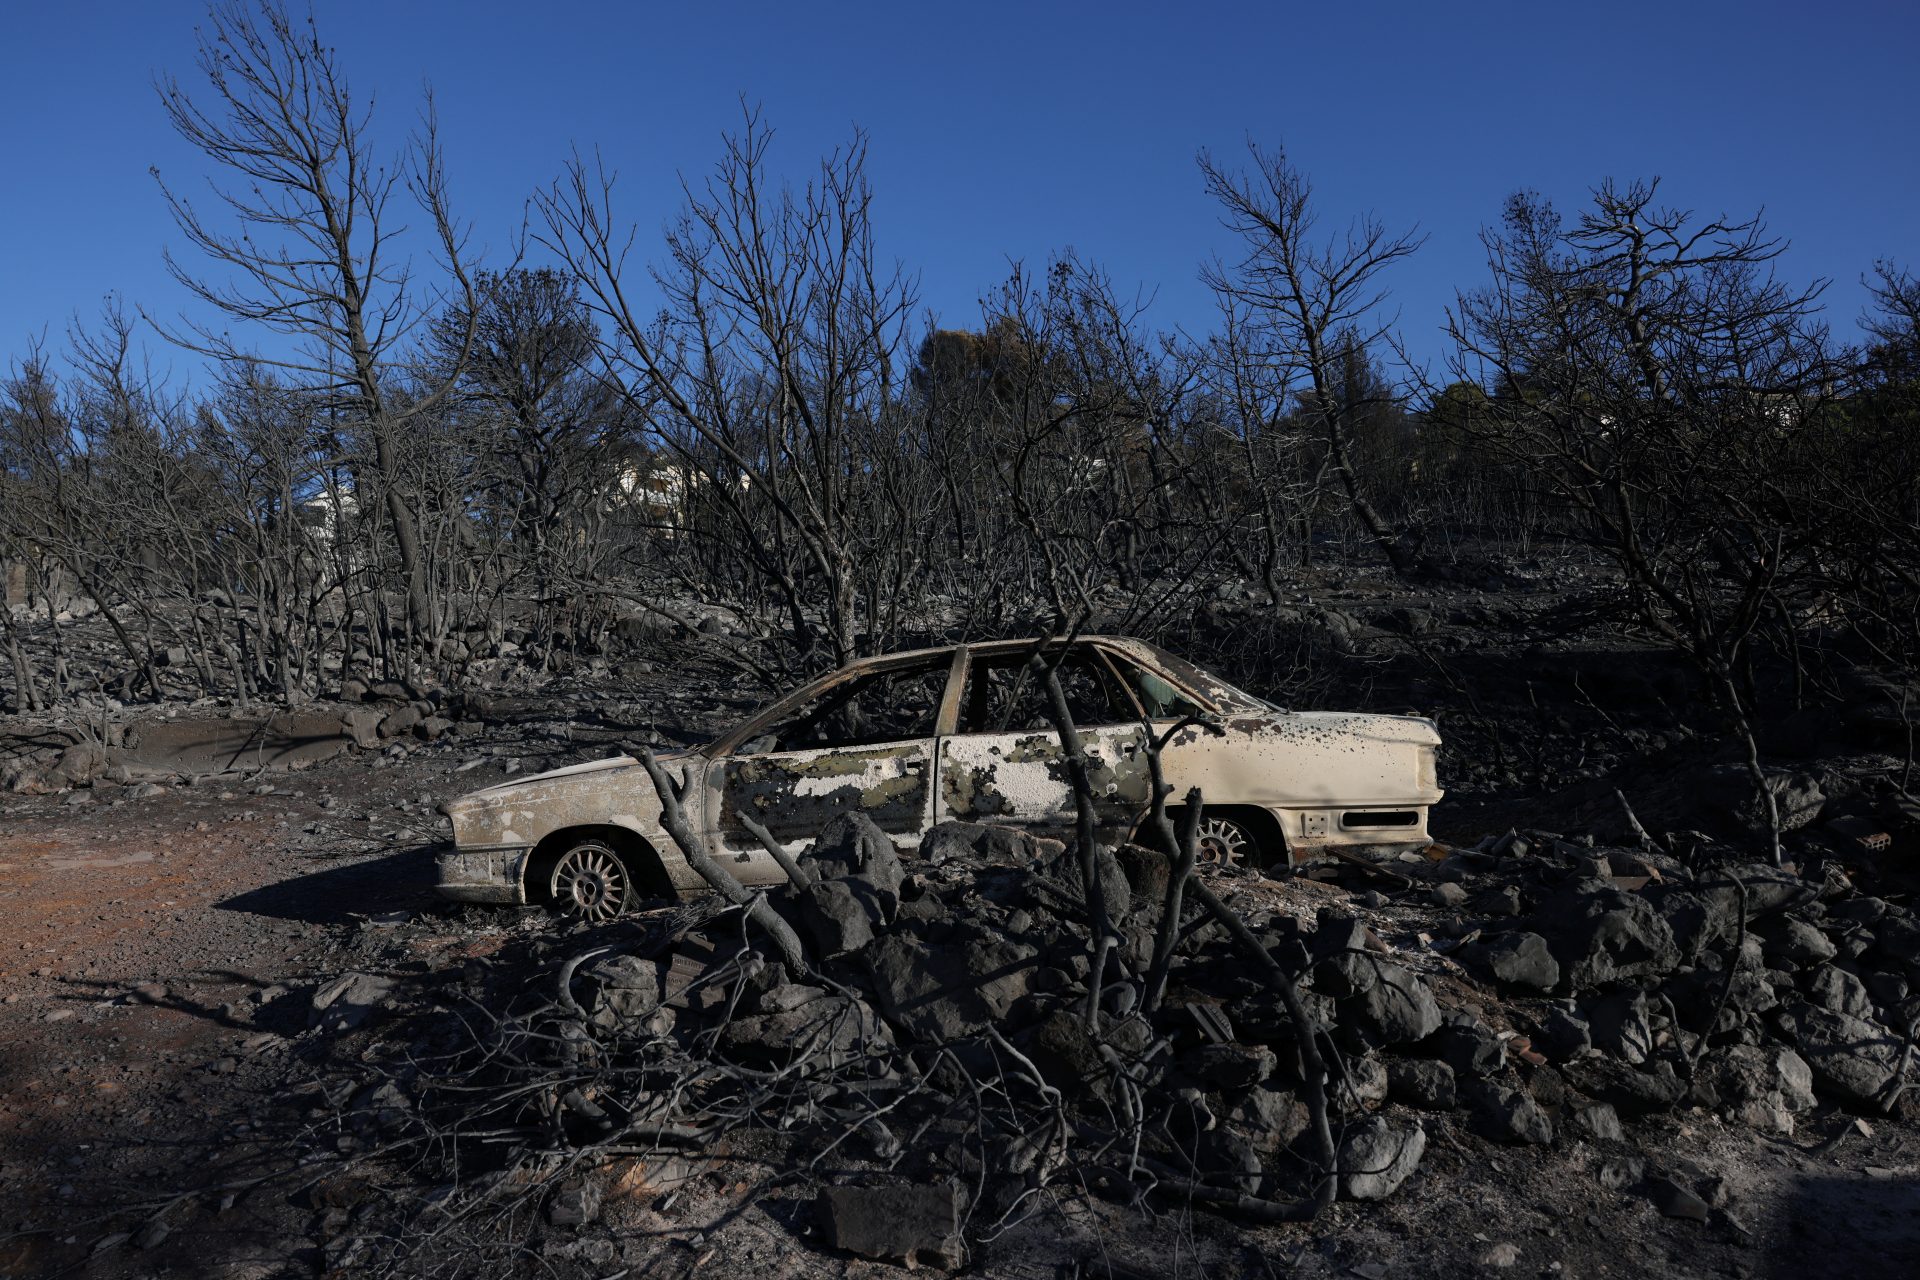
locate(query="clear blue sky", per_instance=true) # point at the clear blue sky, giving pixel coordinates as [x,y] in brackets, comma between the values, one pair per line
[1006,130]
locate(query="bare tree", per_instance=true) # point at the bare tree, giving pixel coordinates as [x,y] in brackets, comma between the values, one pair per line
[1315,308]
[770,366]
[305,241]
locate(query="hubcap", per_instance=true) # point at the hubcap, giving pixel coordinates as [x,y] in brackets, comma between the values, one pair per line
[590,882]
[1222,842]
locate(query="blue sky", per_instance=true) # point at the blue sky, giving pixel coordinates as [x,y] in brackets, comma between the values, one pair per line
[1004,131]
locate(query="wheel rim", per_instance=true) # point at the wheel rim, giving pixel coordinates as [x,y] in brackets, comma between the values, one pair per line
[589,882]
[1223,843]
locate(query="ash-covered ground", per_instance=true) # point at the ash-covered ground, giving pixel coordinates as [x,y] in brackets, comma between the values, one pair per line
[240,1036]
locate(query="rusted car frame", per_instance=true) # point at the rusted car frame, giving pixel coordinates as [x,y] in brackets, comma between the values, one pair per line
[915,738]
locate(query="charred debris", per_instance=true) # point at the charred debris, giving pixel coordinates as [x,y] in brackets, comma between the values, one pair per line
[925,1058]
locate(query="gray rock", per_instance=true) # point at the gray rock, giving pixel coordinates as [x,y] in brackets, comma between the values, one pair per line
[1366,1082]
[1449,896]
[1507,1115]
[838,915]
[624,987]
[1675,1201]
[1601,934]
[834,1025]
[1771,1074]
[1621,1027]
[1349,974]
[1599,1121]
[1229,1066]
[978,842]
[1271,1118]
[1469,1046]
[852,845]
[1795,943]
[349,1001]
[1377,1157]
[908,1223]
[1631,1090]
[1422,1083]
[940,993]
[1797,796]
[1563,1034]
[574,1205]
[1617,1173]
[1519,960]
[1068,1056]
[1397,1009]
[1854,1058]
[1836,989]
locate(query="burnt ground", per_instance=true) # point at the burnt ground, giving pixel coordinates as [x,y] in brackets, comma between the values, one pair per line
[161,1084]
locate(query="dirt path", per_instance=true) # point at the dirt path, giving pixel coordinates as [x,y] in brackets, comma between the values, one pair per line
[156,952]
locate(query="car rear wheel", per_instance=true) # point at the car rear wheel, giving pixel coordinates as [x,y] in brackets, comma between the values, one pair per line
[1227,842]
[590,882]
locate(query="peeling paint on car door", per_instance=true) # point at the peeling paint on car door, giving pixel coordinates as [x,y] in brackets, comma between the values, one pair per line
[1007,764]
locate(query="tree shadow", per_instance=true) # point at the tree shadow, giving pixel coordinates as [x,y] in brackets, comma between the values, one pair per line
[342,894]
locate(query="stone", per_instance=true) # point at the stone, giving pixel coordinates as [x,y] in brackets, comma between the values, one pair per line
[835,1025]
[1842,992]
[852,845]
[1065,873]
[362,724]
[432,728]
[1630,1089]
[1366,1082]
[1068,1056]
[1422,1083]
[1617,1173]
[349,1001]
[1599,1121]
[1469,1046]
[1449,896]
[1272,1118]
[1797,797]
[1563,1034]
[1349,974]
[1676,1201]
[1507,1115]
[575,1204]
[1228,1066]
[1377,1157]
[1147,872]
[937,994]
[1501,1255]
[1397,1009]
[1856,1059]
[837,915]
[400,720]
[1795,943]
[1225,1159]
[1620,1026]
[1601,934]
[978,842]
[907,1223]
[626,987]
[1519,960]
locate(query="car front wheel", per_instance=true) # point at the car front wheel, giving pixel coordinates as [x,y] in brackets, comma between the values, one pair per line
[590,882]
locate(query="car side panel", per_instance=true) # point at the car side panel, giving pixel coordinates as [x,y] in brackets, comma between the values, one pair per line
[1022,778]
[1311,770]
[796,793]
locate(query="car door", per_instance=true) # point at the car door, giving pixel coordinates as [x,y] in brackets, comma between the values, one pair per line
[1004,764]
[861,743]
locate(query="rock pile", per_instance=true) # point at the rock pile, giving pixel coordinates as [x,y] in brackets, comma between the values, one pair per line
[958,1048]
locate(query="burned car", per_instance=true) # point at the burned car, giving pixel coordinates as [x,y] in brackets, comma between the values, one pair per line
[958,733]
